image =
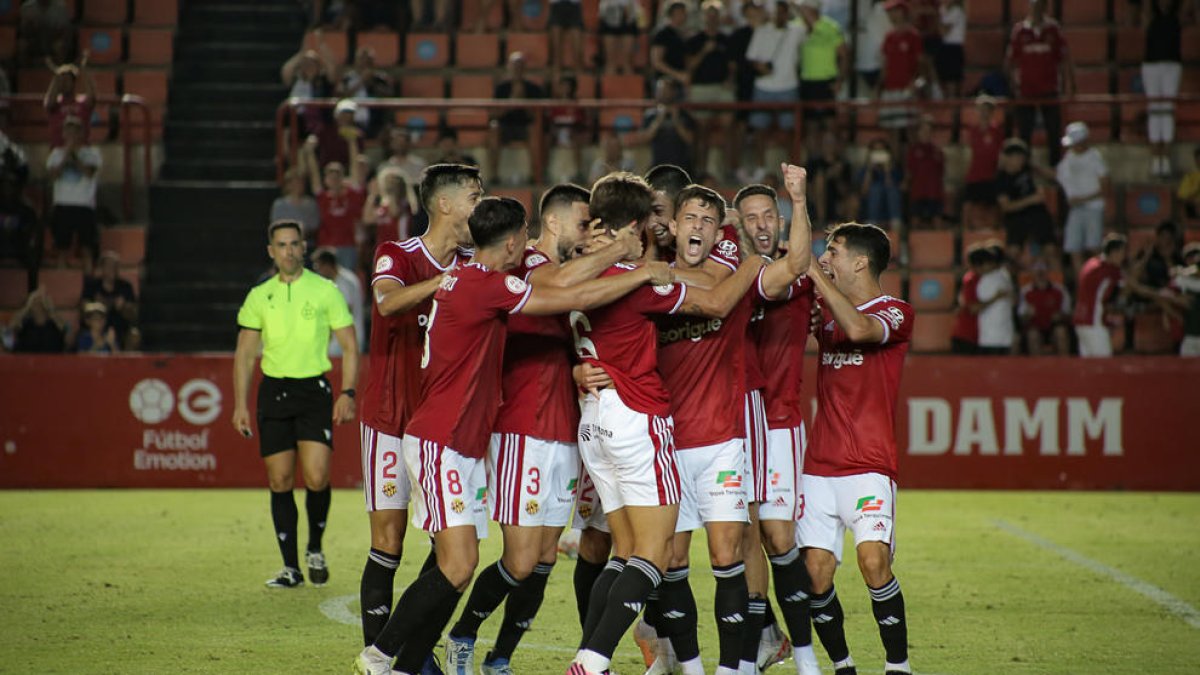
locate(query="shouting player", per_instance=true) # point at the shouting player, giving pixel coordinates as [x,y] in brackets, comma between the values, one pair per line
[849,475]
[446,440]
[406,274]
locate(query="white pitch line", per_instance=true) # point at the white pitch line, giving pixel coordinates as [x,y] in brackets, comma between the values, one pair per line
[1172,604]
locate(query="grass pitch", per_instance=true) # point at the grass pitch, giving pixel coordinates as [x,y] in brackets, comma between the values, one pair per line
[156,581]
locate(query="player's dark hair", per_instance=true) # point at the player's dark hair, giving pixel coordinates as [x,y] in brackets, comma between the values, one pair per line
[707,197]
[754,190]
[1167,226]
[494,219]
[325,256]
[1114,243]
[563,194]
[668,179]
[438,176]
[277,225]
[619,199]
[978,255]
[674,5]
[868,240]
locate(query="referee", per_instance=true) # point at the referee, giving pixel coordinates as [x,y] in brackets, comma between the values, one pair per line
[290,317]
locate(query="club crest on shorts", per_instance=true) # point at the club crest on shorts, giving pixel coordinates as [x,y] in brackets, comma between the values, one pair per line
[585,510]
[458,506]
[531,507]
[389,489]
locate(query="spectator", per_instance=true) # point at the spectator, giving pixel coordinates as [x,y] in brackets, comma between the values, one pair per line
[19,228]
[434,16]
[710,70]
[1099,281]
[118,299]
[824,63]
[363,80]
[669,131]
[449,152]
[995,293]
[925,170]
[668,48]
[1161,72]
[1189,188]
[37,327]
[873,27]
[339,201]
[879,187]
[512,10]
[295,204]
[96,336]
[401,158]
[62,100]
[511,127]
[566,26]
[985,138]
[568,124]
[1045,310]
[618,31]
[612,158]
[1022,202]
[773,52]
[388,213]
[744,73]
[964,337]
[839,11]
[903,60]
[13,161]
[74,168]
[1036,59]
[370,15]
[338,141]
[949,57]
[308,74]
[1083,175]
[45,30]
[1157,263]
[1187,281]
[832,184]
[325,263]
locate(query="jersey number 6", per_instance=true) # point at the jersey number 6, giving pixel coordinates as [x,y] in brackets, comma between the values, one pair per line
[584,347]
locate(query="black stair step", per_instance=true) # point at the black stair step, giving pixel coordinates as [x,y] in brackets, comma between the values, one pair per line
[201,291]
[189,93]
[229,112]
[235,13]
[198,312]
[190,337]
[282,32]
[183,204]
[226,51]
[220,148]
[212,130]
[228,169]
[265,72]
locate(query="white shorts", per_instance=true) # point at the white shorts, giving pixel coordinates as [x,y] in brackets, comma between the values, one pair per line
[714,488]
[449,490]
[1094,340]
[755,413]
[589,513]
[865,503]
[1084,229]
[531,482]
[385,480]
[1190,346]
[785,462]
[630,455]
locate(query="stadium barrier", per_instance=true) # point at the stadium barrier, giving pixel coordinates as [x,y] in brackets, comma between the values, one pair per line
[158,421]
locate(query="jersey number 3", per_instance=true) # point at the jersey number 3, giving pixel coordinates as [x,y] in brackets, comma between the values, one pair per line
[584,347]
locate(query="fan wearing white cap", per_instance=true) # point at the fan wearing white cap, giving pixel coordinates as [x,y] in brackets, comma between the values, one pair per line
[1083,174]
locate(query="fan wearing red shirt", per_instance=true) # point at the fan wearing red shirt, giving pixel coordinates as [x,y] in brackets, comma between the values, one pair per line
[387,211]
[850,469]
[1045,308]
[1100,279]
[339,200]
[986,138]
[964,337]
[62,101]
[925,171]
[903,61]
[405,276]
[1036,59]
[447,438]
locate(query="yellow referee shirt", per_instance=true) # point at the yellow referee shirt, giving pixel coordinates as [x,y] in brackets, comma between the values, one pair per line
[295,320]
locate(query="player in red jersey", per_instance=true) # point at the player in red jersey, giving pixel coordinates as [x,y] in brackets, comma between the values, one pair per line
[850,468]
[533,460]
[406,274]
[446,440]
[1100,280]
[1045,309]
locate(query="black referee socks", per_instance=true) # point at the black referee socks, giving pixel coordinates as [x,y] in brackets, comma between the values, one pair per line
[285,515]
[316,505]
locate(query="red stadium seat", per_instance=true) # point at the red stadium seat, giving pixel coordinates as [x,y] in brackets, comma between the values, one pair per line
[151,85]
[1076,13]
[63,285]
[1092,80]
[891,283]
[335,43]
[620,120]
[535,15]
[585,85]
[150,46]
[931,332]
[8,42]
[105,80]
[931,249]
[1191,44]
[386,46]
[471,125]
[973,237]
[470,12]
[931,290]
[128,242]
[427,50]
[1140,238]
[155,13]
[985,48]
[535,47]
[1131,43]
[422,126]
[1097,115]
[1151,335]
[12,287]
[104,45]
[1088,46]
[591,16]
[622,87]
[471,86]
[33,80]
[985,13]
[422,86]
[1147,205]
[105,12]
[477,50]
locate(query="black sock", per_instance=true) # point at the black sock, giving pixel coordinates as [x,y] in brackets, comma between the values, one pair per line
[316,505]
[887,603]
[586,573]
[769,618]
[424,638]
[730,608]
[417,608]
[285,515]
[375,592]
[430,560]
[491,587]
[625,601]
[598,599]
[678,615]
[523,604]
[756,611]
[828,620]
[792,587]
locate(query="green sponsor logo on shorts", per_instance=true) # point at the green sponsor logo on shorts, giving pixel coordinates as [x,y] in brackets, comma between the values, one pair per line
[571,484]
[480,494]
[869,503]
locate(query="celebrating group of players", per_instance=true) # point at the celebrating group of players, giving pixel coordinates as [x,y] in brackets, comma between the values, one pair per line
[636,334]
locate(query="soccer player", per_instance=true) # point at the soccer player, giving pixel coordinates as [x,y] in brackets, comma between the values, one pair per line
[1101,280]
[779,331]
[849,478]
[406,274]
[446,440]
[626,432]
[289,317]
[533,461]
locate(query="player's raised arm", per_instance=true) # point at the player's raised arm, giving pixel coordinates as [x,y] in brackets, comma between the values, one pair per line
[626,245]
[393,297]
[858,326]
[720,301]
[777,277]
[597,292]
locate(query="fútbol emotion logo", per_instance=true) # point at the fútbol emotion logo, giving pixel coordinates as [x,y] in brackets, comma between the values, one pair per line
[198,401]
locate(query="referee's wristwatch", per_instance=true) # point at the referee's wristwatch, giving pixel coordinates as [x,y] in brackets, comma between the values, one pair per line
[348,392]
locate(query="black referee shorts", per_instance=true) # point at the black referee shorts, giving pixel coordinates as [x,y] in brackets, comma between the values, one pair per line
[293,410]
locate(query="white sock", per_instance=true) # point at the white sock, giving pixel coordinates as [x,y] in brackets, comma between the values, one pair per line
[805,654]
[592,661]
[722,670]
[899,667]
[692,667]
[747,668]
[846,663]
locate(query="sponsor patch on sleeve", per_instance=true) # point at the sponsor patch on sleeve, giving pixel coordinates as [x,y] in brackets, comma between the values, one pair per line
[514,284]
[383,264]
[664,290]
[535,259]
